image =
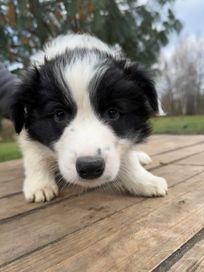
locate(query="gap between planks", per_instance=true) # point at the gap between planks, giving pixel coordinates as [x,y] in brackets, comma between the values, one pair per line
[132,235]
[16,207]
[175,261]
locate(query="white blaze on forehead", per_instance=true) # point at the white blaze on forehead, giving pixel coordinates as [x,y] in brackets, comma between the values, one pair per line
[77,76]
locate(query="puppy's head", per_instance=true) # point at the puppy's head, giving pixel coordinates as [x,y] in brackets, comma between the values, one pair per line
[89,109]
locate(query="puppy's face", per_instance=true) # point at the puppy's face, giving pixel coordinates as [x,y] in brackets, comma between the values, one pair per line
[89,109]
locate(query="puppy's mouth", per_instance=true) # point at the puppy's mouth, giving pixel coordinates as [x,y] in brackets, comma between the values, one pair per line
[93,183]
[85,182]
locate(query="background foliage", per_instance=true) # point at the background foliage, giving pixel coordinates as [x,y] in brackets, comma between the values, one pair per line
[140,29]
[182,76]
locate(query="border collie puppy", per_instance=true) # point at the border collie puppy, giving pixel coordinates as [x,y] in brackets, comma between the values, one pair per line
[82,107]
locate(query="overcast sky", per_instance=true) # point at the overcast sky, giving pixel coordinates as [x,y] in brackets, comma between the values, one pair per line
[191,14]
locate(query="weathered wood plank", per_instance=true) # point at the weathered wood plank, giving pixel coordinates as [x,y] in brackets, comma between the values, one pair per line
[11,176]
[177,173]
[46,225]
[117,230]
[135,237]
[12,186]
[175,156]
[16,204]
[192,261]
[141,245]
[194,160]
[9,165]
[157,144]
[10,170]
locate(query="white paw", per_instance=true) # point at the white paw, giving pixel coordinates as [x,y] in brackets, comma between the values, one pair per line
[157,187]
[35,191]
[143,158]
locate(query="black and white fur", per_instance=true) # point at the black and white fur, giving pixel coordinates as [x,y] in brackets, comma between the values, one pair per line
[84,99]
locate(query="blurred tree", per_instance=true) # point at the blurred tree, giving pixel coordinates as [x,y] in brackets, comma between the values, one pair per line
[140,29]
[182,77]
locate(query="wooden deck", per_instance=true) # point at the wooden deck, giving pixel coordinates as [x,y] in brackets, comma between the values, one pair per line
[106,231]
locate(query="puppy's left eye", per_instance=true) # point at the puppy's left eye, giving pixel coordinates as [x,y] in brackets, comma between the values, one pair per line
[112,114]
[60,116]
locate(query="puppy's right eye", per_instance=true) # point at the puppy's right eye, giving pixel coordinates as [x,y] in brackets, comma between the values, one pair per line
[112,114]
[60,116]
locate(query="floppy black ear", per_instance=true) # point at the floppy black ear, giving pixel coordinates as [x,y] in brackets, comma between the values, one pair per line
[145,83]
[24,97]
[18,111]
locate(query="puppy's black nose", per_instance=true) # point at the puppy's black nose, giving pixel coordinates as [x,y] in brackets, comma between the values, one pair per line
[89,167]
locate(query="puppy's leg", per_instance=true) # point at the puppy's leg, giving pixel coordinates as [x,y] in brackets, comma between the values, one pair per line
[137,180]
[39,184]
[143,158]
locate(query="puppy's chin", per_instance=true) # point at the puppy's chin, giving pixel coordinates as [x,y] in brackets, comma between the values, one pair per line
[92,183]
[89,183]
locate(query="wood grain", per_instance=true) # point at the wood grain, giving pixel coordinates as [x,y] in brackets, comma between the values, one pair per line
[175,156]
[107,231]
[195,160]
[135,238]
[145,237]
[11,177]
[158,144]
[16,204]
[47,225]
[192,261]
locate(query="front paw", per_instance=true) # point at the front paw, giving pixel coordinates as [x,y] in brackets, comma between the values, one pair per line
[36,191]
[157,187]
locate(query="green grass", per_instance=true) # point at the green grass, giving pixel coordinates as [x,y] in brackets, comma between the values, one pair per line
[9,151]
[178,125]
